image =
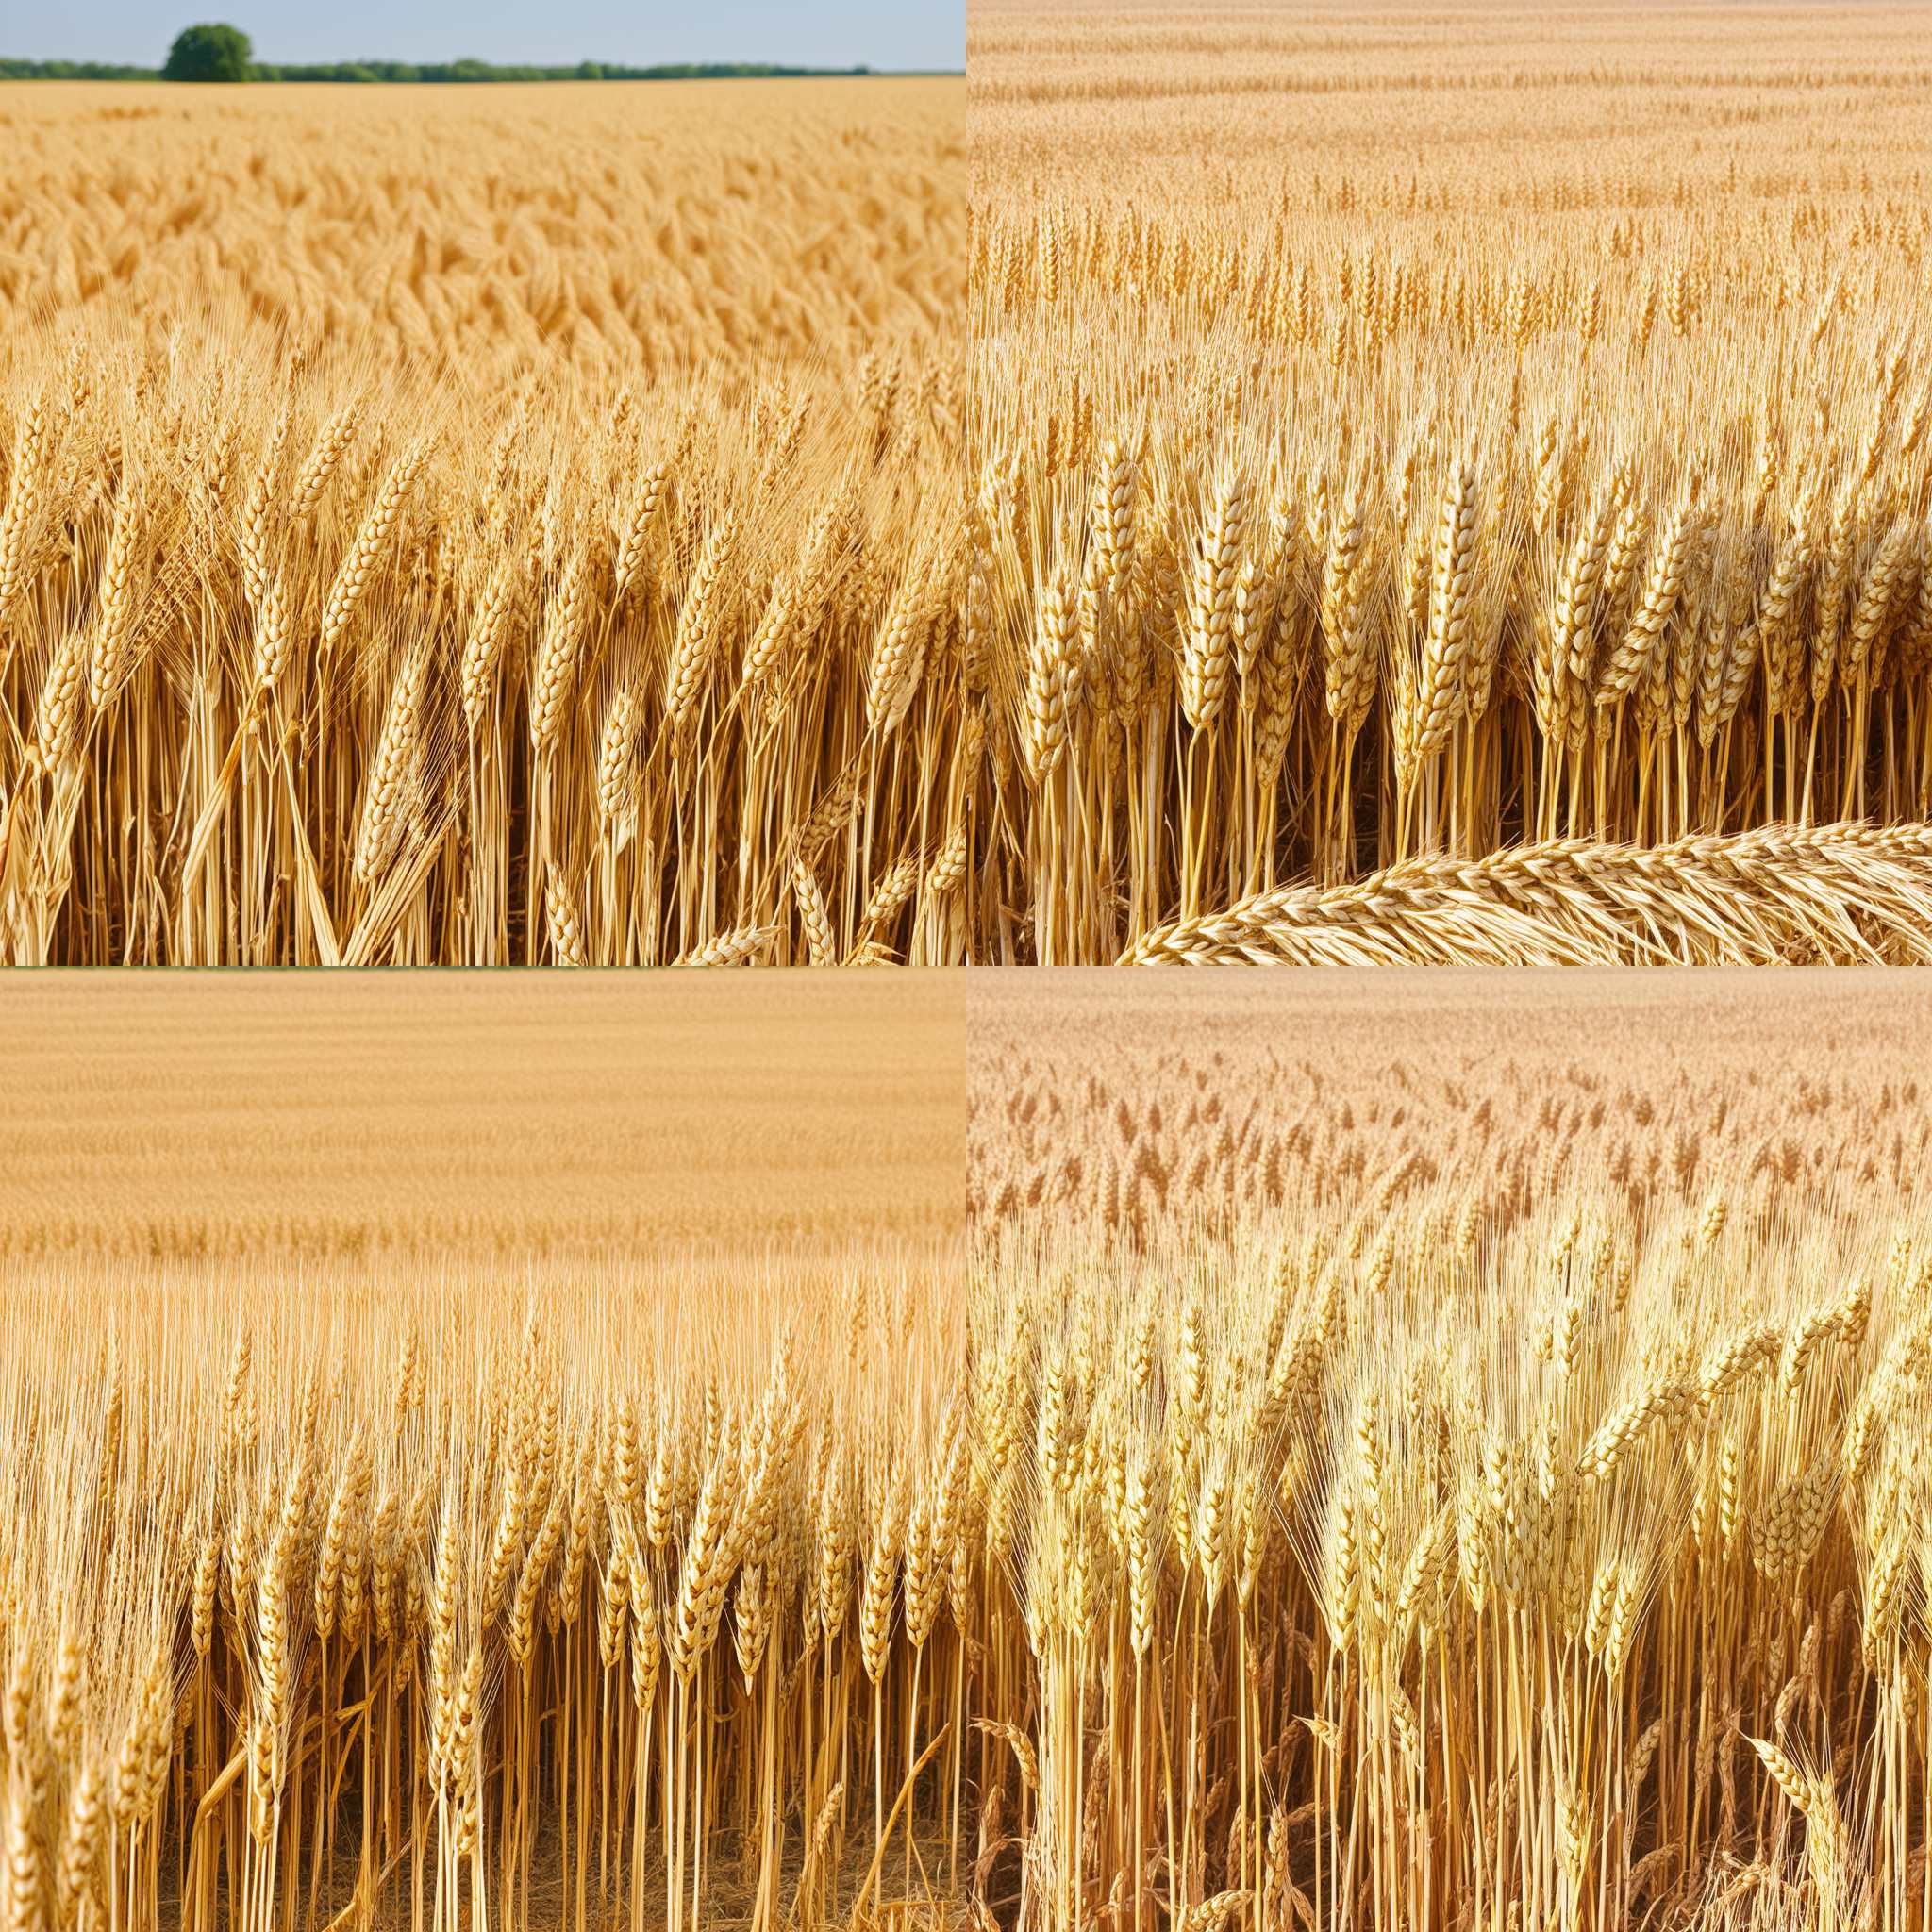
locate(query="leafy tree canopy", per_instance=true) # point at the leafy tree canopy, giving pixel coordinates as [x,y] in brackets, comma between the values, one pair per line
[214,51]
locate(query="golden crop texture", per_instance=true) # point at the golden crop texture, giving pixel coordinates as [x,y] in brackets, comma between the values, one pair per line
[1540,1539]
[236,1124]
[1474,1441]
[384,1602]
[1161,1109]
[1405,438]
[417,1398]
[623,230]
[462,531]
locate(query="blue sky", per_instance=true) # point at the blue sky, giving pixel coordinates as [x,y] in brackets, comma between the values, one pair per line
[829,33]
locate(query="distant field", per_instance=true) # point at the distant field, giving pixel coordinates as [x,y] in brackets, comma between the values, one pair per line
[618,225]
[1407,112]
[476,1120]
[1139,1097]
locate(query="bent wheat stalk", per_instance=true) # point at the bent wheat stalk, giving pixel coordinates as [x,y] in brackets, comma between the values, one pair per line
[1835,894]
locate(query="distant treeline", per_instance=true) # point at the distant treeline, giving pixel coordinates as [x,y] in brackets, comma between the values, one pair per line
[431,71]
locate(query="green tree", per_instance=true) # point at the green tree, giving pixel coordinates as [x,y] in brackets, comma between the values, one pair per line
[212,52]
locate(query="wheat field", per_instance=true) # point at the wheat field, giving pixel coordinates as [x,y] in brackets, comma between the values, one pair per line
[604,226]
[1134,1110]
[443,528]
[1048,1452]
[1462,1475]
[250,1123]
[1473,1448]
[422,1402]
[1402,439]
[398,1597]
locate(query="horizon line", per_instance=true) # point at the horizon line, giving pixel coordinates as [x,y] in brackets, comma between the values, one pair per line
[547,71]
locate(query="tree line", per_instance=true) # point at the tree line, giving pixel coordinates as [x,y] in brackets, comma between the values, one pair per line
[216,52]
[431,71]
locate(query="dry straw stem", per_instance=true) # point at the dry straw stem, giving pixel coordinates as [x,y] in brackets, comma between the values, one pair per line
[1516,1455]
[440,691]
[365,1619]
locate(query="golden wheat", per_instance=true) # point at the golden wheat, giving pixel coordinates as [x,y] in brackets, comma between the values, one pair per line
[231,1124]
[628,231]
[1393,1567]
[1376,1566]
[1221,1103]
[404,1326]
[1457,433]
[390,1605]
[1462,1471]
[1469,1444]
[464,569]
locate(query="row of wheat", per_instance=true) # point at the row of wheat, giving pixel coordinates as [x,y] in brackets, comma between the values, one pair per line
[306,665]
[1431,1576]
[1299,558]
[1397,1566]
[354,1608]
